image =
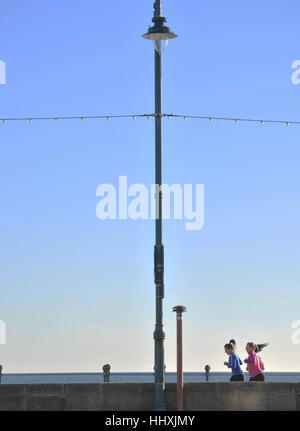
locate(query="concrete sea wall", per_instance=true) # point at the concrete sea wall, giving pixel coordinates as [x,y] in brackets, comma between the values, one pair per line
[139,396]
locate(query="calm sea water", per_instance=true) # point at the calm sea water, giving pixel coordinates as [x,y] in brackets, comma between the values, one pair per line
[132,377]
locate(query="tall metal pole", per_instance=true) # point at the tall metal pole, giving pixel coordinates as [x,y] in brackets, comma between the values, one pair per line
[179,309]
[159,335]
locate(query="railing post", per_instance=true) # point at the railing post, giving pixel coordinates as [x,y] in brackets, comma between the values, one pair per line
[106,373]
[207,371]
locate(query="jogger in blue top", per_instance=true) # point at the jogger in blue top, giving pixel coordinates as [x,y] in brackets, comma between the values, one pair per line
[234,362]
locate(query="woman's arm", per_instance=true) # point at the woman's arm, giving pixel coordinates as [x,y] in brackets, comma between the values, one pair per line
[228,364]
[250,359]
[233,363]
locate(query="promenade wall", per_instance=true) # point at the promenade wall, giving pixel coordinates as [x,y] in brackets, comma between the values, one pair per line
[210,396]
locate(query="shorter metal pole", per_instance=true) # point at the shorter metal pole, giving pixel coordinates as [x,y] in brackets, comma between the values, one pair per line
[179,309]
[106,373]
[1,368]
[207,371]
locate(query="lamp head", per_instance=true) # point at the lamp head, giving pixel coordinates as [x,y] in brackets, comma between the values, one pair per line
[159,32]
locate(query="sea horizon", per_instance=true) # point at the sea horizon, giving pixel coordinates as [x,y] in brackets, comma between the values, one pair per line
[135,377]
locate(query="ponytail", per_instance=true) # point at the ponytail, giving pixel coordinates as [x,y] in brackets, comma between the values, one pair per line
[257,347]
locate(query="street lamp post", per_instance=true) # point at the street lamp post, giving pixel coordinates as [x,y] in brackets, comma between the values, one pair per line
[159,33]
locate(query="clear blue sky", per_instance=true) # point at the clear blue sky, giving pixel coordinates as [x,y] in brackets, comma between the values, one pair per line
[77,292]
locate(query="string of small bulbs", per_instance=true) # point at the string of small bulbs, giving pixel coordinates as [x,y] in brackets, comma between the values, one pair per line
[148,116]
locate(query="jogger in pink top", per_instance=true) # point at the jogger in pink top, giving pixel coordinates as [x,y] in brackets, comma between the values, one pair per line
[255,364]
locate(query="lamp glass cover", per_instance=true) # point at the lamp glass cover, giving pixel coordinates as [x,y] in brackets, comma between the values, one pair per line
[160,45]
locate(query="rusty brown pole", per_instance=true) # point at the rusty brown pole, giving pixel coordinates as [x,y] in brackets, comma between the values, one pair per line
[179,309]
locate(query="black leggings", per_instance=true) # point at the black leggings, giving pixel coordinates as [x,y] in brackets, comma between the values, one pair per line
[238,378]
[259,378]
